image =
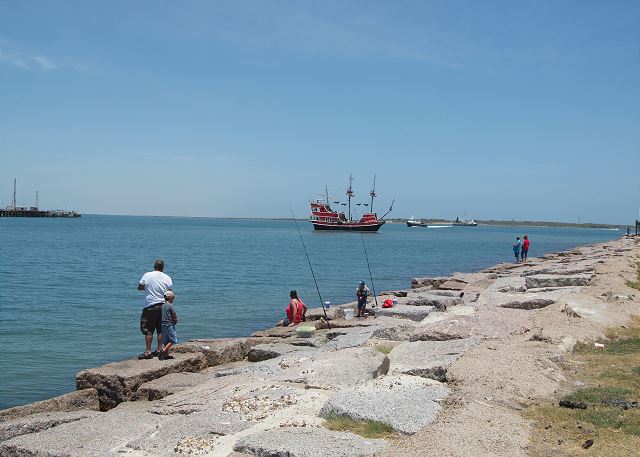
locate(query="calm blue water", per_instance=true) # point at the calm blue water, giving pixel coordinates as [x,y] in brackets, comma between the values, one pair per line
[68,297]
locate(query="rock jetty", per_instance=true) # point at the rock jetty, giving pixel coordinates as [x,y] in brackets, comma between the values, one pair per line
[448,369]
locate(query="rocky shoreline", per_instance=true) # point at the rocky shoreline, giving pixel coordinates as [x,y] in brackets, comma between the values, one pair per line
[448,368]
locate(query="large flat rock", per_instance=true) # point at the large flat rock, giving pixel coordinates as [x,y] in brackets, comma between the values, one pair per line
[439,302]
[435,282]
[275,332]
[79,400]
[555,280]
[348,323]
[518,300]
[489,323]
[508,284]
[117,382]
[337,370]
[39,422]
[318,369]
[453,284]
[428,359]
[478,279]
[428,291]
[405,406]
[169,384]
[308,442]
[528,303]
[288,332]
[559,270]
[205,396]
[209,417]
[262,352]
[414,313]
[102,435]
[590,308]
[219,351]
[395,330]
[353,337]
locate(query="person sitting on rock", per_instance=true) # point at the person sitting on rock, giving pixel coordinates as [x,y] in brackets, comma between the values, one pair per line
[362,293]
[296,311]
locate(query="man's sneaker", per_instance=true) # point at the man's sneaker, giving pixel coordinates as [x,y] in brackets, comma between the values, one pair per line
[161,355]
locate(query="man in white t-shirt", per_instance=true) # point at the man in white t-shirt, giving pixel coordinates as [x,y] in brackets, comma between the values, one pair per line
[154,283]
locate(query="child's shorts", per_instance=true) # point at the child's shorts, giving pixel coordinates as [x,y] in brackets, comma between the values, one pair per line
[169,334]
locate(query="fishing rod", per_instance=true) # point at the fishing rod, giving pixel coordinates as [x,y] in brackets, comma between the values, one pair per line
[375,297]
[311,268]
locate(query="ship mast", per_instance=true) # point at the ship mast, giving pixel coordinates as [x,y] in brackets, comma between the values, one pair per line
[373,192]
[350,194]
[13,202]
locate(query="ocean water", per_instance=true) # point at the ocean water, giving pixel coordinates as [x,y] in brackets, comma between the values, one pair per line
[68,287]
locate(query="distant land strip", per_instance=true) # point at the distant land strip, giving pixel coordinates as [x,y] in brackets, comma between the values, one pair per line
[522,223]
[404,221]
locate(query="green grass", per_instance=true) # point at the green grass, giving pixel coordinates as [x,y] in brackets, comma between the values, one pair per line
[365,428]
[612,418]
[610,373]
[635,284]
[620,346]
[596,395]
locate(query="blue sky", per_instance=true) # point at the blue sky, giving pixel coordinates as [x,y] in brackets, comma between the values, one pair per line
[526,110]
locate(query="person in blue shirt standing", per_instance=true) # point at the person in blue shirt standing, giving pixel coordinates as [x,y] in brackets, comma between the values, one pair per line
[362,292]
[516,248]
[169,322]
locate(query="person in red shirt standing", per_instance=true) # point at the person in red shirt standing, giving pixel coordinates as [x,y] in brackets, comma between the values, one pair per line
[525,248]
[296,311]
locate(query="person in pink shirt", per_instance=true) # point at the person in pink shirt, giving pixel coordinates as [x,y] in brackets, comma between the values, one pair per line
[525,248]
[296,311]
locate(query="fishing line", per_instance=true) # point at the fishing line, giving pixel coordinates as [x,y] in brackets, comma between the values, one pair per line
[311,268]
[373,287]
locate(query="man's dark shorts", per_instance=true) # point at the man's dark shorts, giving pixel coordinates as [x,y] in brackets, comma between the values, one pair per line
[151,319]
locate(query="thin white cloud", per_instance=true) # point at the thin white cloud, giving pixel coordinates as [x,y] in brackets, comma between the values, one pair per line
[14,56]
[45,63]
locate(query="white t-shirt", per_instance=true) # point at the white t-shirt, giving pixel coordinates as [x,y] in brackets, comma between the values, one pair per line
[155,283]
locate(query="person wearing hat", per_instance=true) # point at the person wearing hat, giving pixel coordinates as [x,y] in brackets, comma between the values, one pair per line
[154,284]
[169,321]
[362,292]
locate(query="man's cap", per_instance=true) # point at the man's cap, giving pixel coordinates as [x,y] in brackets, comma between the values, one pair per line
[169,294]
[361,283]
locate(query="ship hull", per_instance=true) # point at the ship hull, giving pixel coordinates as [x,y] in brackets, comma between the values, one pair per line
[347,227]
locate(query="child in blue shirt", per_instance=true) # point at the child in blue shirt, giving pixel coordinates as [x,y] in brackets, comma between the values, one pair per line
[516,248]
[169,321]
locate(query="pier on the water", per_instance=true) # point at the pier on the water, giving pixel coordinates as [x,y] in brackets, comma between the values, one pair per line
[10,212]
[32,211]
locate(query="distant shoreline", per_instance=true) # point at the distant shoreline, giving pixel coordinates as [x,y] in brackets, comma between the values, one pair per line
[491,222]
[488,222]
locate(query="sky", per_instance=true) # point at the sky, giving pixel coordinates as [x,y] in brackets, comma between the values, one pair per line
[242,108]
